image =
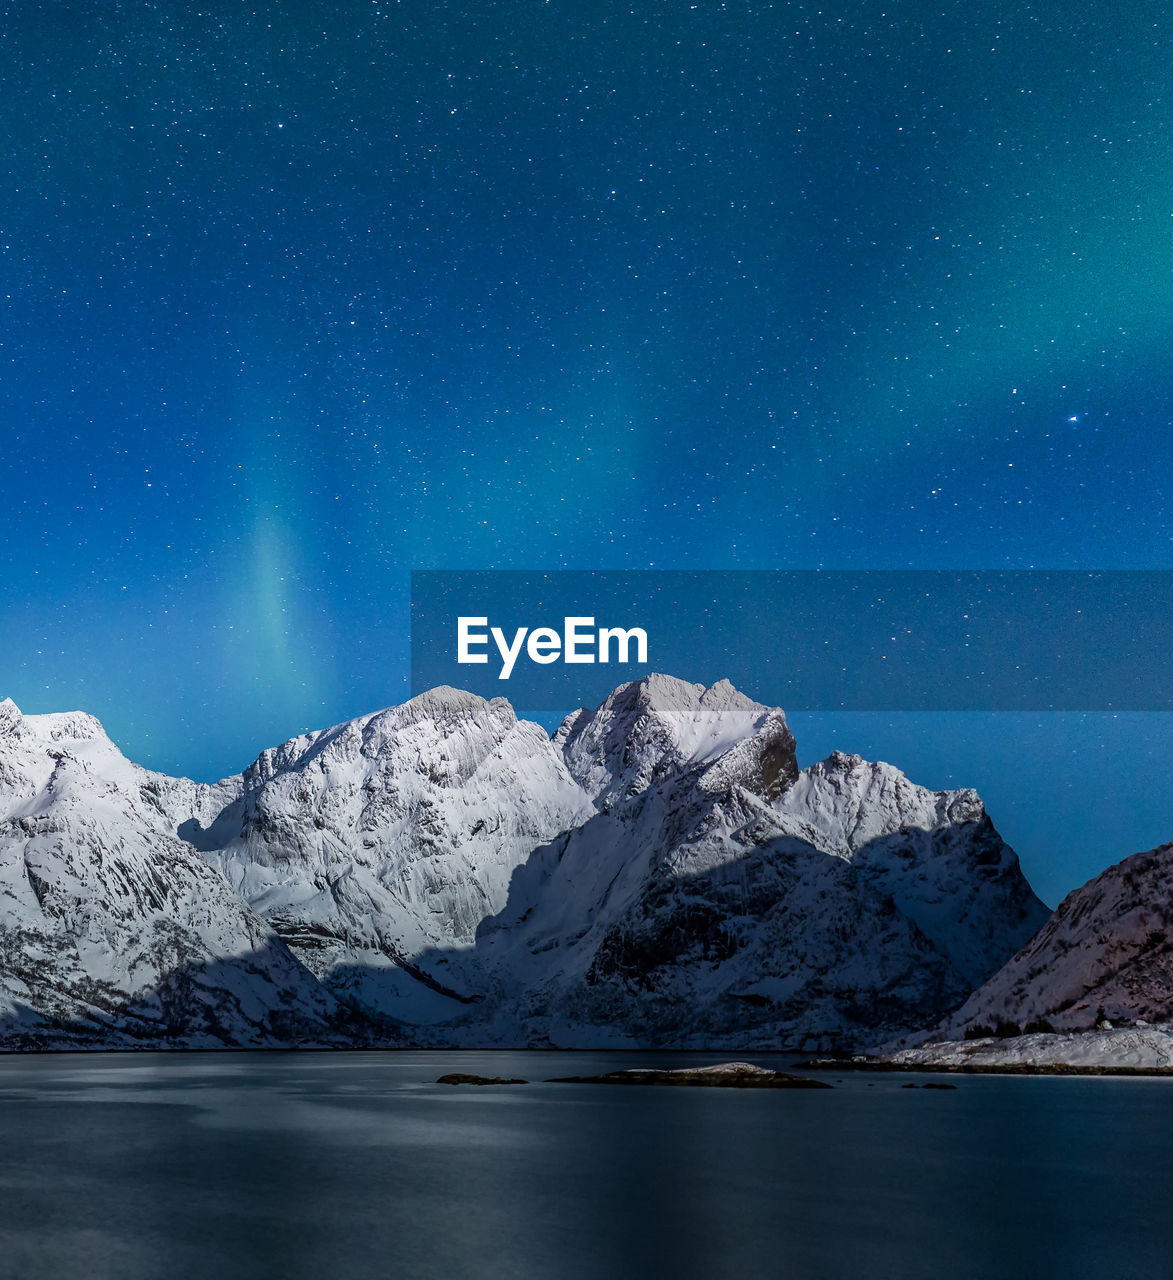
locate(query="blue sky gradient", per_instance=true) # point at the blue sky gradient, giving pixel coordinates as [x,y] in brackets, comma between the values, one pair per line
[298,298]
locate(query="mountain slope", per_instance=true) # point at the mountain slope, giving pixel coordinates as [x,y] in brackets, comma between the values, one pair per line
[936,853]
[1107,952]
[390,838]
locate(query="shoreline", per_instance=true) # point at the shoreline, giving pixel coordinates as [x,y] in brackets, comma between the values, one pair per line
[974,1069]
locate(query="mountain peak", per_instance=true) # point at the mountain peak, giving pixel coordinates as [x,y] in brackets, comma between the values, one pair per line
[445,703]
[66,726]
[669,693]
[650,729]
[845,784]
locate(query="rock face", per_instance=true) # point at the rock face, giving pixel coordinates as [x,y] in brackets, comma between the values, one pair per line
[1106,953]
[115,931]
[661,873]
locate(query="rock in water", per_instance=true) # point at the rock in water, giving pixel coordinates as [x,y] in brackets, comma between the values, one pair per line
[462,1077]
[725,1075]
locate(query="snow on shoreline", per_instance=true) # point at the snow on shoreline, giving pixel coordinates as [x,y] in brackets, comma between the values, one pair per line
[1142,1047]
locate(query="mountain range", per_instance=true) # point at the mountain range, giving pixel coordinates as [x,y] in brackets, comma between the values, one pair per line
[659,873]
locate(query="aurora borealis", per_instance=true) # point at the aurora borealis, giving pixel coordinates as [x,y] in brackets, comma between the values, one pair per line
[299,298]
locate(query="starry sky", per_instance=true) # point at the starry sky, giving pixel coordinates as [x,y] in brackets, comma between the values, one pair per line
[298,298]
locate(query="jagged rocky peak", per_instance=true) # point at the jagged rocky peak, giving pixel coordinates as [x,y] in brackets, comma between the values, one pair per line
[11,732]
[62,731]
[448,706]
[652,729]
[38,749]
[853,801]
[68,726]
[462,725]
[45,759]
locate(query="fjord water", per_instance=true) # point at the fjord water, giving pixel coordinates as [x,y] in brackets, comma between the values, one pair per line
[359,1164]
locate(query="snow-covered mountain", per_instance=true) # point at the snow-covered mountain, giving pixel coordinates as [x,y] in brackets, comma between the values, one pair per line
[377,847]
[1106,953]
[723,897]
[661,872]
[113,929]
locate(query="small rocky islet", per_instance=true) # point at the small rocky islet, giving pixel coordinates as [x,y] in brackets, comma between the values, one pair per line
[724,1075]
[464,1077]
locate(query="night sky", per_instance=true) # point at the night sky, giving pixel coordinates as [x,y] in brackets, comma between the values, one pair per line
[300,297]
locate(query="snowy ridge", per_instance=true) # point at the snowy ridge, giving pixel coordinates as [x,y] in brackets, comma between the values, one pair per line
[659,873]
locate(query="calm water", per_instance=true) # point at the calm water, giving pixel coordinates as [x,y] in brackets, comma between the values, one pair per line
[339,1165]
